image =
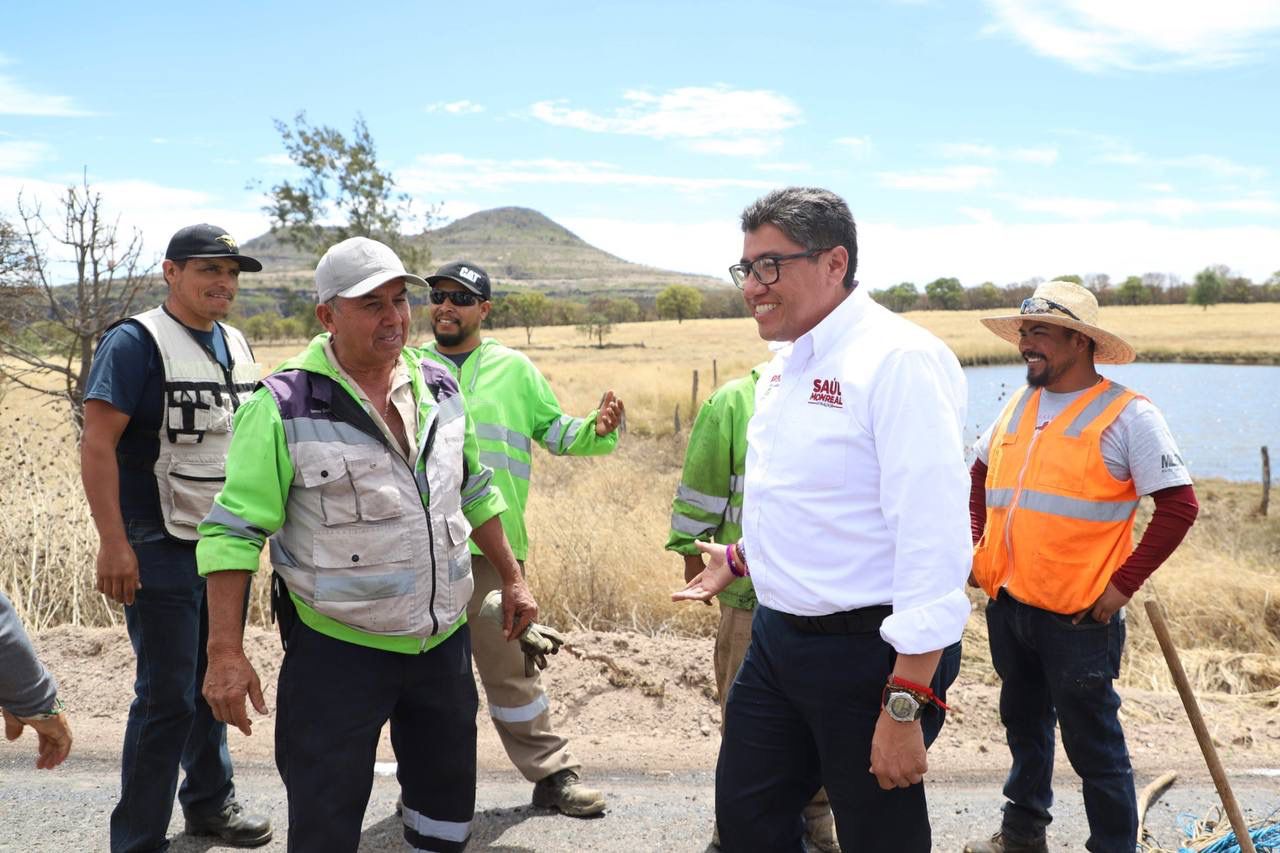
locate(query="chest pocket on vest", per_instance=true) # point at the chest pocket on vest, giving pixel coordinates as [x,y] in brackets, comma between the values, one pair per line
[355,484]
[1065,471]
[194,410]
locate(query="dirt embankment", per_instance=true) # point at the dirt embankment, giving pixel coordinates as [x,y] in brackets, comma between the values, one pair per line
[648,704]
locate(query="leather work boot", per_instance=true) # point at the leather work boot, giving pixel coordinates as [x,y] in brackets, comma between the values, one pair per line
[820,833]
[565,793]
[999,844]
[233,826]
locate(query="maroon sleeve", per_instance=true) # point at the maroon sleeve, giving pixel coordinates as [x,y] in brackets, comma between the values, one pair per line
[1176,510]
[977,499]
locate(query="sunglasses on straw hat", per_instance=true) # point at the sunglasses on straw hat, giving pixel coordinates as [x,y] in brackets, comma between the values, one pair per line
[1040,305]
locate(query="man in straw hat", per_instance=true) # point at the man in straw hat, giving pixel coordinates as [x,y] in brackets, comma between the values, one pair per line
[1055,490]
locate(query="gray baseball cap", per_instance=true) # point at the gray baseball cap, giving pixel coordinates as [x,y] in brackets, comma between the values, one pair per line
[357,266]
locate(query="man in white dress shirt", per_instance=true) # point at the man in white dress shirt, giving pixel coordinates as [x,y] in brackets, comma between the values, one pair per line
[855,535]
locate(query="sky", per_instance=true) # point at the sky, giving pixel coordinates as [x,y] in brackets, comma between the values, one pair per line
[990,140]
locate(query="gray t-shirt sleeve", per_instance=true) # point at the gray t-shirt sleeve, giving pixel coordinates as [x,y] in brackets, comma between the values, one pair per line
[982,447]
[1139,445]
[26,687]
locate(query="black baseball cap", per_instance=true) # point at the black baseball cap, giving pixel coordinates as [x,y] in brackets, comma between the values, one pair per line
[208,241]
[466,274]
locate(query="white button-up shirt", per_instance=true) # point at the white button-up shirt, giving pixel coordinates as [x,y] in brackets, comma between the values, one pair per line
[857,492]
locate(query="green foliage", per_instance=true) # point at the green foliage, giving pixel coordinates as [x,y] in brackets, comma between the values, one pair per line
[985,296]
[1075,278]
[596,326]
[1207,289]
[527,308]
[341,180]
[679,301]
[1133,292]
[621,310]
[901,297]
[945,293]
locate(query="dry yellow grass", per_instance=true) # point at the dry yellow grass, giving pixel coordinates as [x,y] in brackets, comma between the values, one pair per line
[598,525]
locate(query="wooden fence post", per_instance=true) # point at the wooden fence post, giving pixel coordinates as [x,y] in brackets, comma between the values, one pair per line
[677,419]
[693,395]
[1266,479]
[715,374]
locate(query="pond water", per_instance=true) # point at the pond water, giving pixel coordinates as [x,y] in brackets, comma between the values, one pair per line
[1220,414]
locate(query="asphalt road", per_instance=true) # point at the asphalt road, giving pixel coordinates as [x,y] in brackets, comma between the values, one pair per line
[67,810]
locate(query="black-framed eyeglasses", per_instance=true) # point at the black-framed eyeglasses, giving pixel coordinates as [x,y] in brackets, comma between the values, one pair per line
[1040,305]
[460,298]
[767,269]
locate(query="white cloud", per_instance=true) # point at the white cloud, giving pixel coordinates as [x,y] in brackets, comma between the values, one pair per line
[455,107]
[744,146]
[274,160]
[1159,187]
[17,100]
[1221,167]
[20,155]
[717,119]
[783,167]
[1165,206]
[1097,35]
[1005,252]
[707,248]
[1044,156]
[859,146]
[947,179]
[440,174]
[1069,207]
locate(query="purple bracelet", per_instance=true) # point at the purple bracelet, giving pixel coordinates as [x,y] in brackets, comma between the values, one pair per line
[733,568]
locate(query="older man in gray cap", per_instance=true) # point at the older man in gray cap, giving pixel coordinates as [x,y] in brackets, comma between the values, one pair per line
[359,460]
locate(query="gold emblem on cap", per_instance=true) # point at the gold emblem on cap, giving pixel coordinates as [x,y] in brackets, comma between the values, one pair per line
[230,241]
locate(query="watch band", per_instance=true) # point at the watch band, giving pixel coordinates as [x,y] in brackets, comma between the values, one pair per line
[56,709]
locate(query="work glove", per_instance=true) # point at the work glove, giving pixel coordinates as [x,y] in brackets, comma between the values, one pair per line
[536,641]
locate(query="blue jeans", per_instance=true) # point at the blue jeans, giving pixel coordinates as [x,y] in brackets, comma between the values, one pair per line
[1051,670]
[801,715]
[170,724]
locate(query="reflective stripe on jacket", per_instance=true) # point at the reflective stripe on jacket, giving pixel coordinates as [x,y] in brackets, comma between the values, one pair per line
[514,407]
[1058,523]
[708,501]
[373,548]
[200,398]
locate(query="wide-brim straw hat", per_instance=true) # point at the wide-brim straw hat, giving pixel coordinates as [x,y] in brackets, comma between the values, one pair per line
[1054,302]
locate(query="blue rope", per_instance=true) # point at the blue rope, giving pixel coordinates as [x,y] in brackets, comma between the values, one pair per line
[1266,838]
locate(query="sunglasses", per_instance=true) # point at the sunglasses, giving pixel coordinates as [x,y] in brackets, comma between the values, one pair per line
[1040,305]
[460,298]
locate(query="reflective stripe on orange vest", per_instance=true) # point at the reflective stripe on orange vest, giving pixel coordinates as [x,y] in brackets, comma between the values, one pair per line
[1058,523]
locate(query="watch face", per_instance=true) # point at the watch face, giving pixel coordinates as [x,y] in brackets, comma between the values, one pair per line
[902,707]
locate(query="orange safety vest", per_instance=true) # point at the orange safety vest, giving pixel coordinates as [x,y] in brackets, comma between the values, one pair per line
[1058,523]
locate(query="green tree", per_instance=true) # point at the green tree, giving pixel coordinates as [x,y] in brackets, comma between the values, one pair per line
[985,295]
[528,308]
[341,182]
[107,278]
[679,301]
[945,293]
[1133,292]
[621,310]
[901,297]
[1207,288]
[596,326]
[1075,278]
[262,327]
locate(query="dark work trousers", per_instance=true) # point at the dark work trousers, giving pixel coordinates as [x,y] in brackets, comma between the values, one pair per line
[332,702]
[1051,670]
[169,724]
[801,715]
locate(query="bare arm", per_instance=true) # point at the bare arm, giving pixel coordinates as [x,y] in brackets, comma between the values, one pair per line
[518,606]
[117,565]
[230,677]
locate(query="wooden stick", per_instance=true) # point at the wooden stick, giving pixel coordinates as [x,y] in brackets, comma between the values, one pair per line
[1192,707]
[1266,479]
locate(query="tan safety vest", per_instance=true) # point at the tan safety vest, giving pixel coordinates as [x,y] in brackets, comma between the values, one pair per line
[1058,523]
[200,398]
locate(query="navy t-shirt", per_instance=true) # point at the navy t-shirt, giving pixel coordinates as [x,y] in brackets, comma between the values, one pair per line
[127,374]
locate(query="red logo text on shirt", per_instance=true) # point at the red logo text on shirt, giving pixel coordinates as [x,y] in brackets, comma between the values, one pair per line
[826,392]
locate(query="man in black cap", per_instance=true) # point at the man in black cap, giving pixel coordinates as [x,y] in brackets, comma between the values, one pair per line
[157,422]
[514,407]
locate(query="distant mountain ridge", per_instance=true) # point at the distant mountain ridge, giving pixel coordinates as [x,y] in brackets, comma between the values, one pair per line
[520,248]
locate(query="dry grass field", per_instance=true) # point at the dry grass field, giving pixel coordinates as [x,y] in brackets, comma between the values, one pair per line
[598,525]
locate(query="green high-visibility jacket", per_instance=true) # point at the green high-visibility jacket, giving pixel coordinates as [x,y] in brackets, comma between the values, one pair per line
[708,501]
[513,406]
